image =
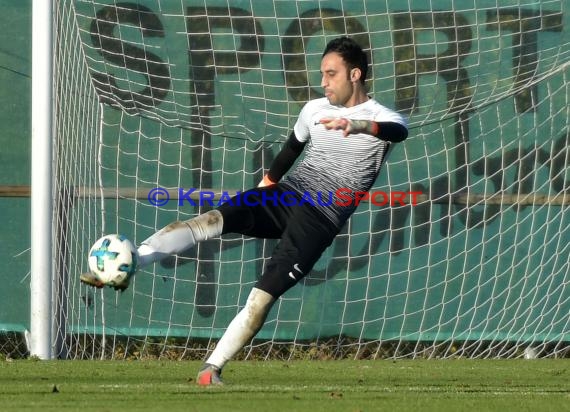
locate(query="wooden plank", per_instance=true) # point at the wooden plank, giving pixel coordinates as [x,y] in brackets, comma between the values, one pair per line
[523,199]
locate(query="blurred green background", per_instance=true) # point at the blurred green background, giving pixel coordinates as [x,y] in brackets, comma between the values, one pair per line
[15,139]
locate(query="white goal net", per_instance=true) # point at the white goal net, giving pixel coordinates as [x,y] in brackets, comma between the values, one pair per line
[200,95]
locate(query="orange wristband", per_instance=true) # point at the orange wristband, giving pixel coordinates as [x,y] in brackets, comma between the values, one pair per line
[374,128]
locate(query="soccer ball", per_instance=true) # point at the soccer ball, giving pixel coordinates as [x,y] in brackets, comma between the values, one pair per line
[113,260]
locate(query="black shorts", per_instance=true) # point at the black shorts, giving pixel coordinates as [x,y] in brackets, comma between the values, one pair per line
[276,213]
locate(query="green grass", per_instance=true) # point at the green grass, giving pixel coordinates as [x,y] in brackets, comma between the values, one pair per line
[414,385]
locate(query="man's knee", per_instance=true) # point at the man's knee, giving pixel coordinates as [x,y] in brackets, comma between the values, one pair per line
[236,219]
[279,277]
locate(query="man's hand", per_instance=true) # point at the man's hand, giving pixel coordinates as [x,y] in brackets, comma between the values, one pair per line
[347,126]
[266,181]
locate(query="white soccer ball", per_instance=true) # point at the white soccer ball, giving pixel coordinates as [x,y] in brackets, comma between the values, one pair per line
[113,259]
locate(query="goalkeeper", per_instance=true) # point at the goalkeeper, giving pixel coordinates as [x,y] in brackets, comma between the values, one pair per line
[346,136]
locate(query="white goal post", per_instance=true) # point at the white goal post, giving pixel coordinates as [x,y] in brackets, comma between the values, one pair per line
[41,217]
[195,97]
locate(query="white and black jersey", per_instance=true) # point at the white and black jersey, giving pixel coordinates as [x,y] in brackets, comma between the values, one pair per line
[333,161]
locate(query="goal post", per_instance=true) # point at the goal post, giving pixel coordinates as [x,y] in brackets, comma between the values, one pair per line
[41,265]
[195,98]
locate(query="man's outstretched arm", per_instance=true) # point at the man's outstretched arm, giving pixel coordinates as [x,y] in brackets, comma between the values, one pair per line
[390,131]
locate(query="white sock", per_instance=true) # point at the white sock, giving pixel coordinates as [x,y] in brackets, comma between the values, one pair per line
[243,327]
[180,236]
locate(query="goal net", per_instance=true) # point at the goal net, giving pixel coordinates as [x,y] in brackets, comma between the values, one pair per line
[198,96]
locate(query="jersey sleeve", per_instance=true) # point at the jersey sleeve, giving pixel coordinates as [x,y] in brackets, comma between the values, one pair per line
[386,115]
[301,128]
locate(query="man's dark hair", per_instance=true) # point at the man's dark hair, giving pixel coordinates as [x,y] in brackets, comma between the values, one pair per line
[351,53]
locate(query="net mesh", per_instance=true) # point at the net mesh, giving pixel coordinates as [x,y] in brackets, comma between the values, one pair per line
[201,95]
